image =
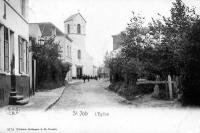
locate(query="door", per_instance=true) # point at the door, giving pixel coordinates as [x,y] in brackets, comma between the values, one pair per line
[79,72]
[33,75]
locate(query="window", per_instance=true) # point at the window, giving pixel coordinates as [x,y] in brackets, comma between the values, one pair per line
[1,44]
[23,55]
[27,59]
[79,29]
[6,49]
[23,7]
[4,15]
[79,54]
[68,51]
[6,45]
[68,28]
[53,30]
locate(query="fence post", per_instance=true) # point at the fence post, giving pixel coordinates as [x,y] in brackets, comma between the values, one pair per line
[156,88]
[176,86]
[170,87]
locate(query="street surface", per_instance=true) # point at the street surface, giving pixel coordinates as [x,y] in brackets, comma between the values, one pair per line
[89,94]
[93,94]
[90,108]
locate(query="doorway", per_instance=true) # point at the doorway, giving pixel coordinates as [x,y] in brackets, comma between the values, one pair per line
[79,71]
[33,76]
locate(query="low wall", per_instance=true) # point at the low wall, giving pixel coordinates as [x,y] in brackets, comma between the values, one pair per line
[22,86]
[5,87]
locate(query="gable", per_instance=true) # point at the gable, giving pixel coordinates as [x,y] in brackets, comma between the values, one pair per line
[75,16]
[46,29]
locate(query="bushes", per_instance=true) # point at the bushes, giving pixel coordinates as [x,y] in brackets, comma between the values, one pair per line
[128,91]
[146,88]
[191,75]
[167,46]
[51,71]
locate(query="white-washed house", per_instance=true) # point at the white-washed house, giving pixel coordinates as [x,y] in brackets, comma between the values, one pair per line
[14,48]
[46,30]
[82,62]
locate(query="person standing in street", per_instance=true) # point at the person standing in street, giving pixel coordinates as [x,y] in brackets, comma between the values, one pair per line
[84,77]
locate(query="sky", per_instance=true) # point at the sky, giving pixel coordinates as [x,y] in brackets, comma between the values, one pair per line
[104,17]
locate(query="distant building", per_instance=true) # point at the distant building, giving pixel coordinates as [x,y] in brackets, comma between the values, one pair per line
[44,31]
[14,42]
[117,40]
[95,71]
[82,62]
[103,71]
[117,45]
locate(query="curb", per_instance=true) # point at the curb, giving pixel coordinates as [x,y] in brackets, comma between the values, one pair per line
[52,104]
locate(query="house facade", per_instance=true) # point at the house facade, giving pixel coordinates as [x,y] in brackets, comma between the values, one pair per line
[82,62]
[103,72]
[95,71]
[117,40]
[44,31]
[14,49]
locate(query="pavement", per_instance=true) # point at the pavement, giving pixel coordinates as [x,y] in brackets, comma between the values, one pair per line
[42,100]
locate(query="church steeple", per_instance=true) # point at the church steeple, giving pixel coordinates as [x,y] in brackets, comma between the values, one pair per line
[75,24]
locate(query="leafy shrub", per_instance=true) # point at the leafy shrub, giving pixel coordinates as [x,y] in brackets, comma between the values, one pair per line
[191,77]
[169,45]
[51,71]
[146,88]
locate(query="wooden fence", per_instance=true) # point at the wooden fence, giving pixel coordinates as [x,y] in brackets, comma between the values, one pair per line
[172,85]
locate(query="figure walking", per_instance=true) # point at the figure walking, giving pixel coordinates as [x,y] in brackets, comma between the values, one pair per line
[84,78]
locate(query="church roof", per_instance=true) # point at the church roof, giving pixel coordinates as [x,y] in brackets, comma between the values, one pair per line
[46,30]
[72,16]
[68,38]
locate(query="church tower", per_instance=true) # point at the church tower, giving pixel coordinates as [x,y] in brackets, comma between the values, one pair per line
[75,28]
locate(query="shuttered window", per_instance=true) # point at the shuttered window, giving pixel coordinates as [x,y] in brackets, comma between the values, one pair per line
[6,49]
[79,29]
[79,54]
[68,51]
[4,15]
[27,59]
[68,29]
[1,44]
[23,7]
[23,56]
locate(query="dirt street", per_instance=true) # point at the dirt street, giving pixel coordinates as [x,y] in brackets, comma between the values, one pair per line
[87,95]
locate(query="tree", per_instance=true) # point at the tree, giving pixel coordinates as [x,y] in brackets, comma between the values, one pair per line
[50,69]
[175,31]
[191,76]
[169,45]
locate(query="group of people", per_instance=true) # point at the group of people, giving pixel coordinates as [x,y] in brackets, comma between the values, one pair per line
[87,77]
